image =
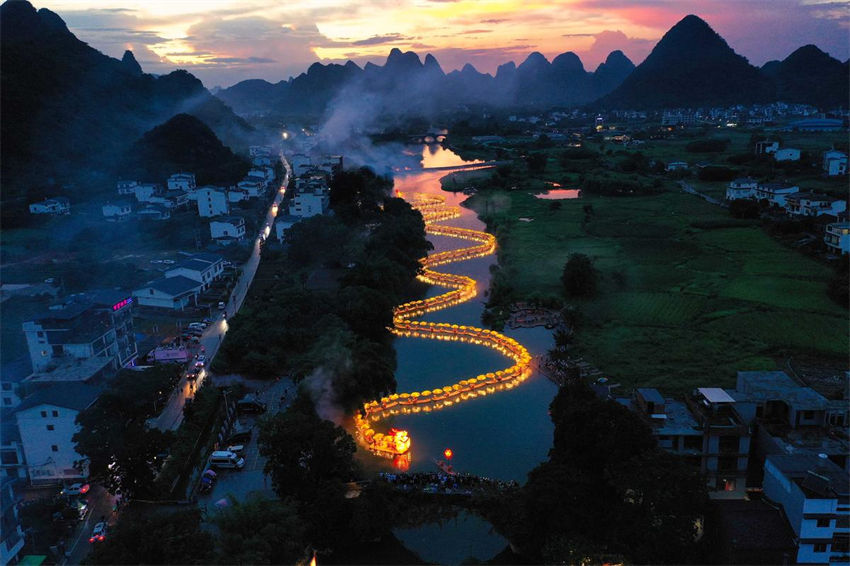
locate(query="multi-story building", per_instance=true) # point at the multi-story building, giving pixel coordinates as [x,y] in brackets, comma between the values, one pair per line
[815,495]
[835,163]
[127,187]
[741,188]
[12,462]
[813,204]
[182,182]
[117,210]
[212,201]
[58,205]
[837,237]
[11,533]
[227,229]
[46,421]
[94,327]
[203,268]
[775,193]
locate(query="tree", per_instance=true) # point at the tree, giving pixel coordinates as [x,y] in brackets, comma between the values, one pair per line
[536,162]
[165,538]
[579,278]
[260,531]
[306,455]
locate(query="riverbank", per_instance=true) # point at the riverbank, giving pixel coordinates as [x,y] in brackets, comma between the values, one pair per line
[688,295]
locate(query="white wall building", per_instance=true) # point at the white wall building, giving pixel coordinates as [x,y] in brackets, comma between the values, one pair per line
[182,182]
[212,201]
[835,163]
[202,268]
[741,188]
[174,293]
[837,237]
[252,186]
[815,495]
[812,204]
[775,193]
[787,154]
[309,203]
[58,205]
[46,423]
[127,187]
[11,535]
[117,210]
[228,227]
[145,191]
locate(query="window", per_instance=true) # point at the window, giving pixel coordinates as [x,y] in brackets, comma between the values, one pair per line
[54,448]
[808,415]
[729,444]
[823,523]
[819,547]
[55,413]
[51,427]
[44,413]
[151,291]
[7,387]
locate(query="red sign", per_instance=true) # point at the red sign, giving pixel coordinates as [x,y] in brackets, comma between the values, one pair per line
[122,304]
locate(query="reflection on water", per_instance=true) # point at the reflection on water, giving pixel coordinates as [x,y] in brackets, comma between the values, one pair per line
[559,194]
[452,542]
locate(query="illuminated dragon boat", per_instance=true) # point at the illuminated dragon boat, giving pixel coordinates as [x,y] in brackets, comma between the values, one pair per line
[395,444]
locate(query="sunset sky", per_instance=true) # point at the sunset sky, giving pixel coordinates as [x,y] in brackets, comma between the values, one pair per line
[225,41]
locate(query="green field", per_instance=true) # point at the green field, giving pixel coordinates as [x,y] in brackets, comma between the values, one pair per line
[689,295]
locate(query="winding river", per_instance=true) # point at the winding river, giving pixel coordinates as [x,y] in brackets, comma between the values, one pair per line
[501,435]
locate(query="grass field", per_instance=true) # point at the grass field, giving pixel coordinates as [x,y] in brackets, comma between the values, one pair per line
[688,296]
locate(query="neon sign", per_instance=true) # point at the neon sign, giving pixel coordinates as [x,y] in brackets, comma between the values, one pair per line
[122,304]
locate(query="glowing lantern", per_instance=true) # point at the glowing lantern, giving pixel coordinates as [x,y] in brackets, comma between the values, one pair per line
[448,453]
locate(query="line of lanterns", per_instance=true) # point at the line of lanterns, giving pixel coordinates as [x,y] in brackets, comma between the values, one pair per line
[397,442]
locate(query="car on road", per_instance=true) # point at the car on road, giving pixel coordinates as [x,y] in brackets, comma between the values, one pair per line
[76,489]
[238,449]
[98,533]
[197,325]
[239,435]
[201,358]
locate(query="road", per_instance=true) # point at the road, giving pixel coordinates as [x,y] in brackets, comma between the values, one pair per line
[690,190]
[171,417]
[100,506]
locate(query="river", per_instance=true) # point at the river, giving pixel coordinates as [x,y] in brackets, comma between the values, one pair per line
[503,435]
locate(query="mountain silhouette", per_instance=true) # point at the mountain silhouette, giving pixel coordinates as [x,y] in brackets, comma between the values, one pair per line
[691,66]
[69,111]
[811,76]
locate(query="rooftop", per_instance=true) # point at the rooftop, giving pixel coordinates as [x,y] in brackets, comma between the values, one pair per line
[71,369]
[77,396]
[760,386]
[193,264]
[715,395]
[818,477]
[175,286]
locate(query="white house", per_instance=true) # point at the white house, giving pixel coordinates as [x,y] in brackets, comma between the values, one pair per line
[174,293]
[812,204]
[676,165]
[837,237]
[46,424]
[58,205]
[145,191]
[299,163]
[835,163]
[283,223]
[228,228]
[252,186]
[202,268]
[127,187]
[787,154]
[775,193]
[212,201]
[265,173]
[237,195]
[118,210]
[182,182]
[12,534]
[309,203]
[813,492]
[741,188]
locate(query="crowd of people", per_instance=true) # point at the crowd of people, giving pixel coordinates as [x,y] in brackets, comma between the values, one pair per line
[455,484]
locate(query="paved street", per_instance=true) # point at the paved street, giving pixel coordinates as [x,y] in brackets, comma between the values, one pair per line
[100,506]
[171,417]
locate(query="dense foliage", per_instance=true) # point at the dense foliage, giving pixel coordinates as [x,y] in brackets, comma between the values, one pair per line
[580,278]
[124,453]
[606,491]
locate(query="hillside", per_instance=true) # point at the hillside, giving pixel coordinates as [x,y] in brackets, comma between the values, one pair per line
[691,66]
[184,143]
[811,76]
[70,111]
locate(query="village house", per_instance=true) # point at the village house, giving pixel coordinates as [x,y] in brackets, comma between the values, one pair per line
[58,205]
[813,204]
[81,337]
[787,154]
[127,187]
[741,188]
[203,268]
[120,210]
[146,191]
[153,212]
[47,423]
[174,293]
[766,147]
[835,163]
[12,534]
[837,237]
[775,193]
[12,460]
[253,186]
[283,223]
[182,182]
[227,229]
[212,201]
[236,195]
[11,376]
[815,495]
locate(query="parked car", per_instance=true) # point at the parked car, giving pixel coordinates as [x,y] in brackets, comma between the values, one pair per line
[98,534]
[238,449]
[197,325]
[239,436]
[76,489]
[225,459]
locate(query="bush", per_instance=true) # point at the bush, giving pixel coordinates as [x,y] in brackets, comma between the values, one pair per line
[580,278]
[707,146]
[716,173]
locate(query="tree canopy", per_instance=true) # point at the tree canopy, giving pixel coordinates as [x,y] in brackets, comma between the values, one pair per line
[580,278]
